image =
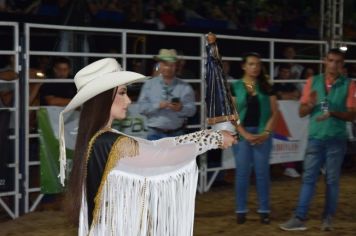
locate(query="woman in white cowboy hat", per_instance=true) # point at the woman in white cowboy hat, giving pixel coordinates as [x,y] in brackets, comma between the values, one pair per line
[122,185]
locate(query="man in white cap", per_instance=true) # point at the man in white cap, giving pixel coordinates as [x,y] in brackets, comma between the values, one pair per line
[166,100]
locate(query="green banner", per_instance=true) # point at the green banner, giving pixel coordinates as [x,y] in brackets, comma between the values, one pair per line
[49,153]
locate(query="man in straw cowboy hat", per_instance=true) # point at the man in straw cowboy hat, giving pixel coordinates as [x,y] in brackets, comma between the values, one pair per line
[166,100]
[123,185]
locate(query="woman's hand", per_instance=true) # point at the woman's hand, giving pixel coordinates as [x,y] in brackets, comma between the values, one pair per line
[260,138]
[251,138]
[228,139]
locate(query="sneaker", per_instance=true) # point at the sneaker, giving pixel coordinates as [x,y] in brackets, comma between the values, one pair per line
[241,218]
[294,224]
[264,218]
[291,172]
[326,224]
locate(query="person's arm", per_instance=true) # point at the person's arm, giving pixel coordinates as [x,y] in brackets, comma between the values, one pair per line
[305,109]
[271,123]
[202,137]
[172,151]
[34,91]
[349,115]
[6,97]
[247,135]
[307,100]
[8,75]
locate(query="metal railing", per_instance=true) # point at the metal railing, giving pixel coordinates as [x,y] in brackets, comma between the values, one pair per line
[12,209]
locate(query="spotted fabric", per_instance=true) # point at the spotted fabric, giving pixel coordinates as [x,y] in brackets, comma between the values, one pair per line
[205,140]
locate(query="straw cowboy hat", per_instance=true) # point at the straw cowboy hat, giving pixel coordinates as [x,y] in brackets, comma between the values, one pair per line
[169,55]
[90,81]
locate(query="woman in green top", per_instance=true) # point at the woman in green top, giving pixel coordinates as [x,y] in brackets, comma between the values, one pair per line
[257,106]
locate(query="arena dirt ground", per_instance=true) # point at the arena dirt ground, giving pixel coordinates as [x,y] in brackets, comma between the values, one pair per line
[214,212]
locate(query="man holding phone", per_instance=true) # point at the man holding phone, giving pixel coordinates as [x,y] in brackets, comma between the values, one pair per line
[166,100]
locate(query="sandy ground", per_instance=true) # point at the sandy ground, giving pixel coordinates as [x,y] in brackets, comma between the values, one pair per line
[215,216]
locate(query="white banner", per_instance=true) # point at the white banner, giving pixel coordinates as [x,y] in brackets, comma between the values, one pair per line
[71,120]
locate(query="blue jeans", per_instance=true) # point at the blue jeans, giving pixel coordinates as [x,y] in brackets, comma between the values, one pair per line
[258,156]
[155,134]
[329,153]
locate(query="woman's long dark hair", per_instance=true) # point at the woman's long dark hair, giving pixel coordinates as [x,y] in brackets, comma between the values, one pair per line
[262,78]
[95,114]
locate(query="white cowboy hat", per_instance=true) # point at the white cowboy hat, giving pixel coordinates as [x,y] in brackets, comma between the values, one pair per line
[169,55]
[90,81]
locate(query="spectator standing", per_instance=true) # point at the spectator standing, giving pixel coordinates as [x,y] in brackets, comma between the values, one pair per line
[257,106]
[166,100]
[329,100]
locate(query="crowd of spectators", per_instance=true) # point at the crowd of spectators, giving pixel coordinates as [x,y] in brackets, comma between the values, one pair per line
[278,17]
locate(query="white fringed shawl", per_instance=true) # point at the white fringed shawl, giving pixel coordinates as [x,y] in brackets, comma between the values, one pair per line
[152,193]
[140,206]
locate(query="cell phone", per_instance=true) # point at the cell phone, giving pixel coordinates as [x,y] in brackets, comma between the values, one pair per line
[175,100]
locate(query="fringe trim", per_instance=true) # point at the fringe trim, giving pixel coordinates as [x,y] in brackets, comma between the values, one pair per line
[62,150]
[133,205]
[123,147]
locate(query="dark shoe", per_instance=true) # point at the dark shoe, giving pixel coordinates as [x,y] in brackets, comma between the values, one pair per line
[264,217]
[293,224]
[241,218]
[327,224]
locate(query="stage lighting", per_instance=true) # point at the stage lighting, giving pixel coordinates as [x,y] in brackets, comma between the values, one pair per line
[40,74]
[343,48]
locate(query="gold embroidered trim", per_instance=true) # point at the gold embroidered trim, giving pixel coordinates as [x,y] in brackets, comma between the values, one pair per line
[90,148]
[123,147]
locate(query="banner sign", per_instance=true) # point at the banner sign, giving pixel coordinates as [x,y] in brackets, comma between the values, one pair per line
[47,118]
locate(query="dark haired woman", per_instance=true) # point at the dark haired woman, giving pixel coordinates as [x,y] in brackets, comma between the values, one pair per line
[257,106]
[122,185]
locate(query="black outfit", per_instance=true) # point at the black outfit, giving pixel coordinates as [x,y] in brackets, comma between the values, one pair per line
[253,111]
[63,90]
[252,118]
[96,166]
